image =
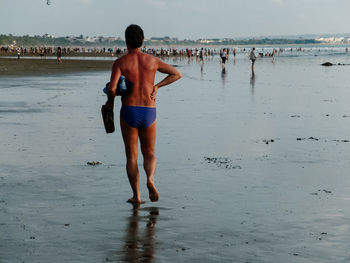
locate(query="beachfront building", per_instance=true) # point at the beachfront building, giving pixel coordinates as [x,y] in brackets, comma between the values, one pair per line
[334,40]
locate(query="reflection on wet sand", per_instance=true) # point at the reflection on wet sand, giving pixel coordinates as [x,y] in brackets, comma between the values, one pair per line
[139,247]
[202,71]
[223,74]
[252,82]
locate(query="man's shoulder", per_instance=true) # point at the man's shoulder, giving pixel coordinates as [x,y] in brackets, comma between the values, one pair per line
[149,59]
[141,54]
[148,56]
[143,58]
[121,60]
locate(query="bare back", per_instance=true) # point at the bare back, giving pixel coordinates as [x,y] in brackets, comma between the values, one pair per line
[140,69]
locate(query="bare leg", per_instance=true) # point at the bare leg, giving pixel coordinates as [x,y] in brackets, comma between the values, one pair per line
[148,141]
[130,137]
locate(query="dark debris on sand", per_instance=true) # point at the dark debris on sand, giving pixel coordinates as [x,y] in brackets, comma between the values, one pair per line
[328,64]
[267,141]
[222,162]
[309,138]
[93,163]
[317,139]
[341,141]
[320,191]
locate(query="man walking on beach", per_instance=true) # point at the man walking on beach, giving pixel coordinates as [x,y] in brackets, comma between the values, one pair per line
[138,111]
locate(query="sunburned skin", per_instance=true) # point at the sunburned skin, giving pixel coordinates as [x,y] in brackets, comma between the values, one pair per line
[140,69]
[153,193]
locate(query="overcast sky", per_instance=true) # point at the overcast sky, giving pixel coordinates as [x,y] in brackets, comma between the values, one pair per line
[191,19]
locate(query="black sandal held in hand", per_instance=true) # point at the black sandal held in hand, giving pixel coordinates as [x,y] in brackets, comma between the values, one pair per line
[108,119]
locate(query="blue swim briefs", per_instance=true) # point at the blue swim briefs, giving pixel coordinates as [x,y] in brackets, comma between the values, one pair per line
[138,117]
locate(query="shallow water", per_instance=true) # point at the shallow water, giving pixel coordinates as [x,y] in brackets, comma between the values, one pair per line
[250,169]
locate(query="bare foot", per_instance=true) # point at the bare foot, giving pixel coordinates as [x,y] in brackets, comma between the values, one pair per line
[135,201]
[153,193]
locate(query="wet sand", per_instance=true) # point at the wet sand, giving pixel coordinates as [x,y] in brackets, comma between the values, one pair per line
[45,66]
[250,169]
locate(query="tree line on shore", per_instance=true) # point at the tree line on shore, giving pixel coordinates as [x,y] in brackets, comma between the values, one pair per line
[64,41]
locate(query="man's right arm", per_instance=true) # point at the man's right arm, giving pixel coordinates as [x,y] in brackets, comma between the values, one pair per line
[112,89]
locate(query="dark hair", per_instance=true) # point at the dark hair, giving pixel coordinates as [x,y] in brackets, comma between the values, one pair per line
[134,36]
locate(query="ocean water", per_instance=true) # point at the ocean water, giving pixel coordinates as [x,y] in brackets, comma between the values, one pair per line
[251,168]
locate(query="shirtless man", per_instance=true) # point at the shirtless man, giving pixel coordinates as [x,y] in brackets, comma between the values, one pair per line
[138,111]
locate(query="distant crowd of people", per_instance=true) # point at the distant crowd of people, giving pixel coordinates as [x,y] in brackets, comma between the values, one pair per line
[199,53]
[52,51]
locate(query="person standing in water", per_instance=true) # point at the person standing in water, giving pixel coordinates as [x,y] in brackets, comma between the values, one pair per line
[59,54]
[223,56]
[252,57]
[18,53]
[201,55]
[138,111]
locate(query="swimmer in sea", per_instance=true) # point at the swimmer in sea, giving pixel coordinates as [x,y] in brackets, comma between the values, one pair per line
[138,111]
